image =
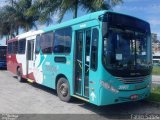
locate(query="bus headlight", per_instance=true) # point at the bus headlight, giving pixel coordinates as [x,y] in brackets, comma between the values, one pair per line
[108,87]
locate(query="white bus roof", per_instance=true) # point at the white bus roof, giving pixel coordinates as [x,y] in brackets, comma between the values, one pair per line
[28,34]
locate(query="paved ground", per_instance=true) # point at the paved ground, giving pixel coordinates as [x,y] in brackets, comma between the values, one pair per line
[25,98]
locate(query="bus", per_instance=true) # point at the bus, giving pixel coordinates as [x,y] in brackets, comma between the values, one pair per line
[102,58]
[3,52]
[156,59]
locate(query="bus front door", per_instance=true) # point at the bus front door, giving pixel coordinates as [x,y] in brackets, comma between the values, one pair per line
[30,62]
[82,58]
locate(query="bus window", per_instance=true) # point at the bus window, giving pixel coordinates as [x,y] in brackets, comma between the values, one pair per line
[15,47]
[37,49]
[94,51]
[22,46]
[30,49]
[46,42]
[63,38]
[9,48]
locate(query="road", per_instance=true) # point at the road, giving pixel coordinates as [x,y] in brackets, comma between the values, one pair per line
[26,98]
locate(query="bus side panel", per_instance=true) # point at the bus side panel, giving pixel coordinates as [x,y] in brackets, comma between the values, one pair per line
[31,76]
[21,59]
[12,63]
[52,69]
[46,69]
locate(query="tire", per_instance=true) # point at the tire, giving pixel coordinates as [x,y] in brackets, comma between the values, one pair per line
[19,75]
[63,90]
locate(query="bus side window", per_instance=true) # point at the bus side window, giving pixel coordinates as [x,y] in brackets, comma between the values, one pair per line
[10,48]
[37,48]
[15,47]
[94,49]
[46,42]
[22,46]
[62,40]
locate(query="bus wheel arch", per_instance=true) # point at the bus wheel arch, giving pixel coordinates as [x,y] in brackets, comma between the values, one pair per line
[19,74]
[63,88]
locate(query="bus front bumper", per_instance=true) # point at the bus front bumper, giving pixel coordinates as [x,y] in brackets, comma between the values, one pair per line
[109,97]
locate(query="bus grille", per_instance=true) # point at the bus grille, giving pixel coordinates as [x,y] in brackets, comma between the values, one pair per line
[132,80]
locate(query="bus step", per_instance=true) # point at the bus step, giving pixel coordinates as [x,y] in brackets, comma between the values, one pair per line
[82,98]
[30,81]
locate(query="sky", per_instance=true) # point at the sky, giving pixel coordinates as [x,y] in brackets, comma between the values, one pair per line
[148,10]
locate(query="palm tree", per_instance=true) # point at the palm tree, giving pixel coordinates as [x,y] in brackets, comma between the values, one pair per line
[22,20]
[13,17]
[50,7]
[45,8]
[6,24]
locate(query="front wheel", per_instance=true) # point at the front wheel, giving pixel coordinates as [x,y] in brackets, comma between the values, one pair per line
[63,90]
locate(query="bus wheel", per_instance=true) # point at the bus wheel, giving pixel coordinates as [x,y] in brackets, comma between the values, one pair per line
[19,75]
[63,90]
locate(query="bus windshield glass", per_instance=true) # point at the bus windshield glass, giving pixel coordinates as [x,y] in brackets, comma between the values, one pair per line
[126,47]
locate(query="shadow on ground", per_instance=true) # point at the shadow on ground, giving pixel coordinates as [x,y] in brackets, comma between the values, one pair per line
[122,110]
[3,69]
[54,92]
[117,111]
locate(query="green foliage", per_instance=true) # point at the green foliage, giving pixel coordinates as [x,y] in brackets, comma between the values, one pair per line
[154,97]
[13,17]
[156,70]
[60,7]
[24,13]
[6,24]
[155,94]
[44,8]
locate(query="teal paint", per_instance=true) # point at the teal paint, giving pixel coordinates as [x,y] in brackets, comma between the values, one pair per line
[98,94]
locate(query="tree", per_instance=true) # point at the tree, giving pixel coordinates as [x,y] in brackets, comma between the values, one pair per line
[5,23]
[49,7]
[13,17]
[21,19]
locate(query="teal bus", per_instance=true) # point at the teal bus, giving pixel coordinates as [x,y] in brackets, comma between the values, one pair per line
[102,58]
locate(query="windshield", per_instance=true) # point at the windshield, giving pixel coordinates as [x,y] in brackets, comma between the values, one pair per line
[2,53]
[126,49]
[126,45]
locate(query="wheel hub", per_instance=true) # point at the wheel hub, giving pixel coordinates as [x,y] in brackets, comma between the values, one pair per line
[64,89]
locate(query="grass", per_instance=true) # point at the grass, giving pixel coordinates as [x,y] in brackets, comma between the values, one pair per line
[156,70]
[155,94]
[155,91]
